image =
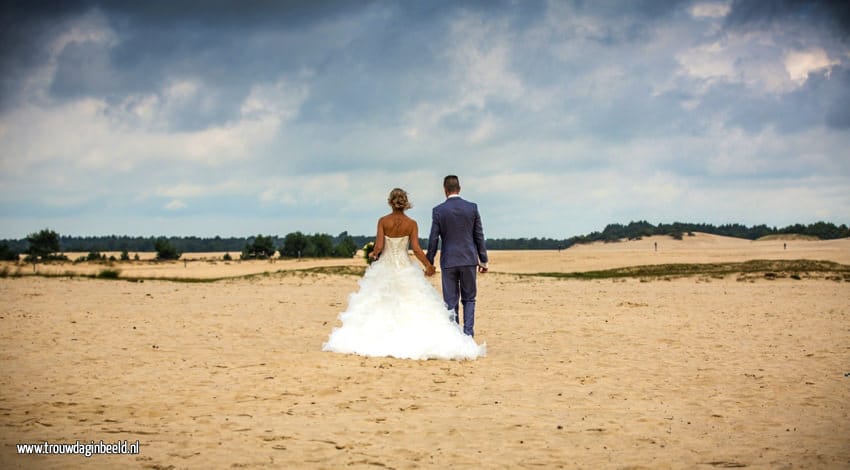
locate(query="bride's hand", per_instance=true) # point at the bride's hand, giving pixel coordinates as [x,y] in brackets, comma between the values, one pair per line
[430,270]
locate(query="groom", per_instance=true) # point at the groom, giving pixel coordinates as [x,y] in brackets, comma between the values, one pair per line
[462,253]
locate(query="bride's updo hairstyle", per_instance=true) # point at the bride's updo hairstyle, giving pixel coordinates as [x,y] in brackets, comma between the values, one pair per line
[398,199]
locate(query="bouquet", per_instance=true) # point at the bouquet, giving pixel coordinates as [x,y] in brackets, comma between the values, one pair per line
[367,250]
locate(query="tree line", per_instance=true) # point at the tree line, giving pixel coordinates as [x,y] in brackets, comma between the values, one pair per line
[48,244]
[639,229]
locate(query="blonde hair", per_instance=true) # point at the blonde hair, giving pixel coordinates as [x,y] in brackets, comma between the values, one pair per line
[398,199]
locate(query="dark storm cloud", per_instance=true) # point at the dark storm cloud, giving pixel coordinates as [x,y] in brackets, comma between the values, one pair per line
[838,108]
[390,48]
[157,39]
[822,101]
[382,48]
[220,14]
[645,9]
[832,14]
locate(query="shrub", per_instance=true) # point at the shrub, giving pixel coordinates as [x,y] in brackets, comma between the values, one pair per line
[164,250]
[109,274]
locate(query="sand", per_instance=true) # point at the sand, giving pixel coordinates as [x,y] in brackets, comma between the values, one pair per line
[692,372]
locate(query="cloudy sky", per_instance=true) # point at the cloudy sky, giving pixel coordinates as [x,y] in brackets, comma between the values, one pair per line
[238,118]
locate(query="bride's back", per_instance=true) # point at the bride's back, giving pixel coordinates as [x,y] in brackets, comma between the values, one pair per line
[397,225]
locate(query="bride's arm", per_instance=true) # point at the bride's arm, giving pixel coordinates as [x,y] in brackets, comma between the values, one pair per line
[417,250]
[379,241]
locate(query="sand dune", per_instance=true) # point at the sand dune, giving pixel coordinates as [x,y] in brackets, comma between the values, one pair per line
[701,248]
[688,373]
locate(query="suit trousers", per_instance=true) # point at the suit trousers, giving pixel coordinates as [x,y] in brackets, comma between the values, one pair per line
[459,284]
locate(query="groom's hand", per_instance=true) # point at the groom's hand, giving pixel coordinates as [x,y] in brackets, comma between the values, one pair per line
[430,270]
[482,269]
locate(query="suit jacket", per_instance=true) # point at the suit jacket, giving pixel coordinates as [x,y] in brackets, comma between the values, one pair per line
[457,222]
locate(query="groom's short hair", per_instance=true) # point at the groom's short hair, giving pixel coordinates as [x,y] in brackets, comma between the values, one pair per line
[451,184]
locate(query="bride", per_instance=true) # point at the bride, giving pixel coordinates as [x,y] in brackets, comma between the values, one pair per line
[397,312]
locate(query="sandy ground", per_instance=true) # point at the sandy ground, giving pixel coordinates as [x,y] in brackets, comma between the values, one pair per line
[688,373]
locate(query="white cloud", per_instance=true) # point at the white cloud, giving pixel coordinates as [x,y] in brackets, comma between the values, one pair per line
[800,64]
[751,59]
[708,62]
[175,204]
[479,63]
[181,89]
[91,134]
[282,99]
[183,190]
[484,129]
[710,9]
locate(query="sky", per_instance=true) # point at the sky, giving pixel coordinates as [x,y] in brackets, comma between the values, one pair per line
[235,118]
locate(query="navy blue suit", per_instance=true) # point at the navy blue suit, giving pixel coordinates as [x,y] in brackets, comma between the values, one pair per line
[457,224]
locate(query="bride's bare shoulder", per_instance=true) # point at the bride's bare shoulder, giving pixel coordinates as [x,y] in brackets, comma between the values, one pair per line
[384,219]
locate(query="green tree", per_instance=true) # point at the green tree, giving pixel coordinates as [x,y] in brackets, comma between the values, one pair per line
[345,248]
[321,246]
[165,250]
[125,256]
[294,245]
[261,248]
[6,253]
[43,244]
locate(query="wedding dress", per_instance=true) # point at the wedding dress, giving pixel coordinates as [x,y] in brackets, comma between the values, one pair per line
[398,313]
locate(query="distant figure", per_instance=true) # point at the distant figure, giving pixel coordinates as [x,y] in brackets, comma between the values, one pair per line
[784,246]
[656,246]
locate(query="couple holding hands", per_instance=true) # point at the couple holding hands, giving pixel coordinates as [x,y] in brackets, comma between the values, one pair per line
[397,312]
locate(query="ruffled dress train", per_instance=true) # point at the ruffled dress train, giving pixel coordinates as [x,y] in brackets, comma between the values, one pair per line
[398,313]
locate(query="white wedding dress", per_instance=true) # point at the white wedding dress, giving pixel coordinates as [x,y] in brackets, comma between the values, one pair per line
[398,313]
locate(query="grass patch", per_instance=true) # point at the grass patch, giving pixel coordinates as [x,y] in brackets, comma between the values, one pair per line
[109,274]
[115,274]
[796,267]
[787,236]
[358,271]
[11,271]
[188,280]
[747,270]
